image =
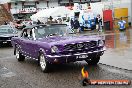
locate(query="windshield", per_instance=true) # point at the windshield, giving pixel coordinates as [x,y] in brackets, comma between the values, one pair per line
[55,30]
[6,31]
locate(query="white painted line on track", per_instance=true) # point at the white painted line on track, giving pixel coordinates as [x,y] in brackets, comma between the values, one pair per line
[7,57]
[9,74]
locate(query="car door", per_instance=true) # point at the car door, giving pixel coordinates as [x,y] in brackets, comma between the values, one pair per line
[30,44]
[22,41]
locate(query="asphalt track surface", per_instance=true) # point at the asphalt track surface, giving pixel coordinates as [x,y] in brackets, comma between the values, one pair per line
[116,63]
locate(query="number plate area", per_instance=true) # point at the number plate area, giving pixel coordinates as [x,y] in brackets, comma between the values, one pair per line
[82,56]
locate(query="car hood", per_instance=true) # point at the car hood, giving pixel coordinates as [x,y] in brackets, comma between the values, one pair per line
[8,35]
[59,40]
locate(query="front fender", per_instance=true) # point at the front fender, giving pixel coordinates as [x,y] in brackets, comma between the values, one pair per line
[43,47]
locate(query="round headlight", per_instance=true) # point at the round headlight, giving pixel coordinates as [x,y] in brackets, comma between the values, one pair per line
[101,42]
[54,49]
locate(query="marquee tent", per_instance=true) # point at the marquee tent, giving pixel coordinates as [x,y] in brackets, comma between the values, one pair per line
[54,12]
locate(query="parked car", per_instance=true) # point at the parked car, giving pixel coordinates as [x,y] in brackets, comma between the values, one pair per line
[56,44]
[6,33]
[29,23]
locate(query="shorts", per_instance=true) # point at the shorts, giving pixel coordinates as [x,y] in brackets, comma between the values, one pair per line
[122,29]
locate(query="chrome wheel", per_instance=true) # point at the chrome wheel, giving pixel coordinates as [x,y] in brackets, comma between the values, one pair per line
[42,62]
[17,53]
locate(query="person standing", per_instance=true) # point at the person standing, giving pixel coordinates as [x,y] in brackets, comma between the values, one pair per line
[5,23]
[98,22]
[76,26]
[121,24]
[38,22]
[30,23]
[72,23]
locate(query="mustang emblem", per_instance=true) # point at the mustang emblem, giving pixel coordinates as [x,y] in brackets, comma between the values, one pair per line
[79,46]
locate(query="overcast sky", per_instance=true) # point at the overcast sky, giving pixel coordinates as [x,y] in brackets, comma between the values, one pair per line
[3,1]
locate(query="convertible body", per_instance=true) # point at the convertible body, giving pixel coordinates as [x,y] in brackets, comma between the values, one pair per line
[57,48]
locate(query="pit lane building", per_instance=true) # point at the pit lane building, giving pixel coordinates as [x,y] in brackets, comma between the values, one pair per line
[23,9]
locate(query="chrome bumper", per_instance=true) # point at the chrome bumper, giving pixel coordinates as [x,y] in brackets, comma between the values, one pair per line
[77,54]
[5,40]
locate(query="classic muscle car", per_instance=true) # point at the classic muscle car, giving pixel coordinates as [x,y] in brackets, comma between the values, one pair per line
[6,33]
[55,43]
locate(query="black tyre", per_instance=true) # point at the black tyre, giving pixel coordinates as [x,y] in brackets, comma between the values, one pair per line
[93,60]
[19,56]
[44,65]
[85,82]
[10,45]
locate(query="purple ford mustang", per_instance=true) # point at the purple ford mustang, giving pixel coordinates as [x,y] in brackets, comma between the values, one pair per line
[56,44]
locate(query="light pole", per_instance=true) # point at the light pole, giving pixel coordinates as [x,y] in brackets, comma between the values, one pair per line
[47,3]
[131,11]
[69,2]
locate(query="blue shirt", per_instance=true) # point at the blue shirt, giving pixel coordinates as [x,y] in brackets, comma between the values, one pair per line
[122,24]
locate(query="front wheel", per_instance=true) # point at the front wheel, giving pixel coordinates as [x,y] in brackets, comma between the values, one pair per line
[19,56]
[44,65]
[93,60]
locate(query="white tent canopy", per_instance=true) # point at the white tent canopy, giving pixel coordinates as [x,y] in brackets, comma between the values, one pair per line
[54,12]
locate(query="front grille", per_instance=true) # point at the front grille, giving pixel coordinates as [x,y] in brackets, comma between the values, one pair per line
[80,46]
[5,38]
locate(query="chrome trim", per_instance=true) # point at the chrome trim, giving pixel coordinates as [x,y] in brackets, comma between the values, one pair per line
[83,44]
[72,43]
[95,51]
[90,52]
[5,40]
[67,55]
[33,58]
[36,59]
[82,49]
[70,50]
[33,33]
[79,49]
[8,40]
[104,48]
[55,56]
